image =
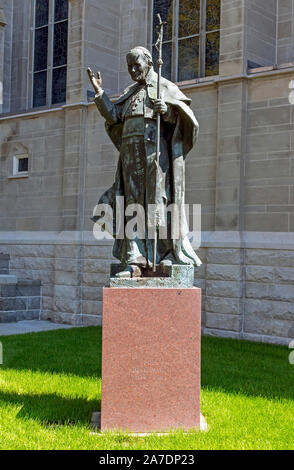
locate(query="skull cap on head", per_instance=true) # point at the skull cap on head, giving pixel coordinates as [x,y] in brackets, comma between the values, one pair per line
[143,51]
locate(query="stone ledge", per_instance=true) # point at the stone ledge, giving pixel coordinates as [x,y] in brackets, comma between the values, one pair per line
[258,338]
[218,239]
[19,315]
[30,326]
[76,319]
[8,279]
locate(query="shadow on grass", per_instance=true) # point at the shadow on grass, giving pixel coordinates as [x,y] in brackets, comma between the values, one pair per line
[231,366]
[51,408]
[252,369]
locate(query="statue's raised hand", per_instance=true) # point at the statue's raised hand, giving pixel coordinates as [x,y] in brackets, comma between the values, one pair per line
[96,82]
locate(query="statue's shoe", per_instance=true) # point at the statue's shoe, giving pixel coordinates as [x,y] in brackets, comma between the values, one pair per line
[131,270]
[168,261]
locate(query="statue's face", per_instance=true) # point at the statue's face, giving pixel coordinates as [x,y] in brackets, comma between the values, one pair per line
[138,67]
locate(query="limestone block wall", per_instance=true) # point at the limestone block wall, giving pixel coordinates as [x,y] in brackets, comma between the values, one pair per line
[134,29]
[93,40]
[75,78]
[100,34]
[285,31]
[34,202]
[230,154]
[7,53]
[261,31]
[269,163]
[232,37]
[2,40]
[102,41]
[100,165]
[20,74]
[202,160]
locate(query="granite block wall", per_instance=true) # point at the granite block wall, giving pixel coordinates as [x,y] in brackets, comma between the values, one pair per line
[249,294]
[20,299]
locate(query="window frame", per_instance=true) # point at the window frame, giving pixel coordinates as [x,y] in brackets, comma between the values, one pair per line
[175,39]
[15,166]
[50,55]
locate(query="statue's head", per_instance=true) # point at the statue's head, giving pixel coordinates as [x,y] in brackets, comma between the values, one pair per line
[139,62]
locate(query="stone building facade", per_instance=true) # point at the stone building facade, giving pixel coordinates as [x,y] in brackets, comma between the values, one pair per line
[241,171]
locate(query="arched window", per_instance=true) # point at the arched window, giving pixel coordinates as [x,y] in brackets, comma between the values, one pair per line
[191,37]
[50,52]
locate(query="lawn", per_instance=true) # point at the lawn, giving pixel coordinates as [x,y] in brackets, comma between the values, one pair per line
[50,384]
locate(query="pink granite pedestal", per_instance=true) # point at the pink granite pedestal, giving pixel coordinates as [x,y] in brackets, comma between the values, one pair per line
[151,359]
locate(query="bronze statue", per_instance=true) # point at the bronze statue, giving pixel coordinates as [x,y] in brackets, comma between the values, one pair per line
[131,123]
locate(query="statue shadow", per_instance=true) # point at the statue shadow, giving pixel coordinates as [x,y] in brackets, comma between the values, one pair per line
[252,369]
[51,409]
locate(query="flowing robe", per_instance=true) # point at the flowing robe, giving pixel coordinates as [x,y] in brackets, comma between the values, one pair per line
[131,125]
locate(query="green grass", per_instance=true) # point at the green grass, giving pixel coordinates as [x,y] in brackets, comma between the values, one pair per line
[50,384]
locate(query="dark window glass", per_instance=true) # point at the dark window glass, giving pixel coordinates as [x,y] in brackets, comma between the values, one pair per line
[212,15]
[42,10]
[23,164]
[60,10]
[189,17]
[165,9]
[166,57]
[40,80]
[188,63]
[60,44]
[41,45]
[59,85]
[212,54]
